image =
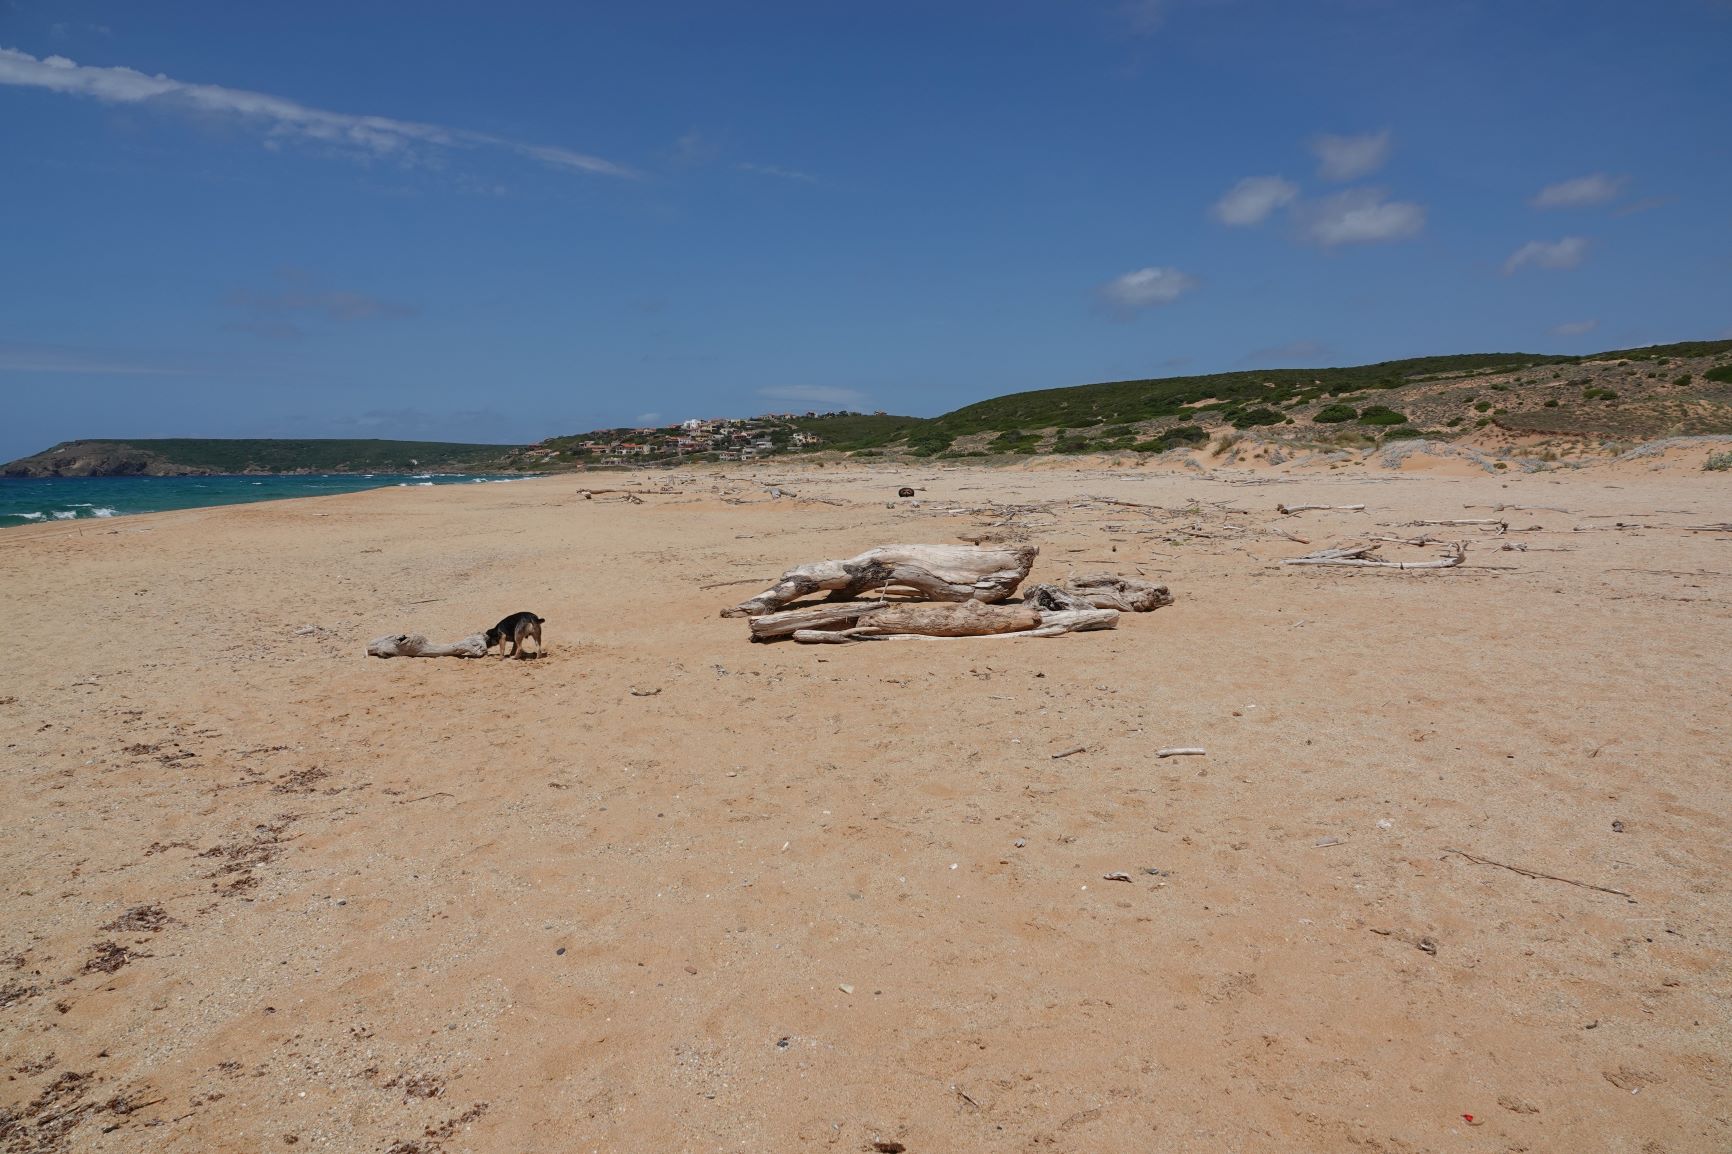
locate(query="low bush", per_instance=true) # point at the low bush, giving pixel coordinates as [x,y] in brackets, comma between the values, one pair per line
[1251,418]
[1722,373]
[1379,415]
[1335,414]
[1718,462]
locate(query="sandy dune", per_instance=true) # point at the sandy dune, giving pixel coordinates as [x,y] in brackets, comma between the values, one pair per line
[665,890]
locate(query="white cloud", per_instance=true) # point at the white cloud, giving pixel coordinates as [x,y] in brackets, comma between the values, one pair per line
[1253,199]
[1583,190]
[815,394]
[1145,288]
[1350,157]
[1575,328]
[280,118]
[777,170]
[1359,216]
[1565,253]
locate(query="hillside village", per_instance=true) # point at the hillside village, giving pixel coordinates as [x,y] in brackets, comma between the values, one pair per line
[702,439]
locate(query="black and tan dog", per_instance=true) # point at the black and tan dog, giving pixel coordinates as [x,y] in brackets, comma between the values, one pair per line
[515,630]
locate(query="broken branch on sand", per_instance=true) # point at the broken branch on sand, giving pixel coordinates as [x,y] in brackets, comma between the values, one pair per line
[1289,510]
[1182,751]
[1362,557]
[942,622]
[1536,873]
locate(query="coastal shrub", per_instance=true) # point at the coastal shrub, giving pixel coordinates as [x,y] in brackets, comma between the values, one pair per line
[1482,406]
[1683,380]
[1252,418]
[1335,414]
[1453,421]
[1175,438]
[1405,433]
[1718,462]
[1721,373]
[1596,393]
[928,442]
[1379,415]
[1552,404]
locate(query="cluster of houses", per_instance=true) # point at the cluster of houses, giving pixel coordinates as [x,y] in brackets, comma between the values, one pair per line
[719,438]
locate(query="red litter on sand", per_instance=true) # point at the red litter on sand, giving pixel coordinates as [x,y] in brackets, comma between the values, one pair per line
[1471,1120]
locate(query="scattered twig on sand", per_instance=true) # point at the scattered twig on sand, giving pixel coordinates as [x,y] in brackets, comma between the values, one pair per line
[1289,510]
[424,797]
[1070,752]
[1182,751]
[1536,873]
[741,581]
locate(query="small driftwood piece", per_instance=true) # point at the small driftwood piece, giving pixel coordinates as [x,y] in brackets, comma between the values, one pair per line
[1289,510]
[1362,557]
[1100,591]
[415,645]
[1464,521]
[937,572]
[1182,751]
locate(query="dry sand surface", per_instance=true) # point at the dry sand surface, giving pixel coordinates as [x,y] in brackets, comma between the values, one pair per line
[666,890]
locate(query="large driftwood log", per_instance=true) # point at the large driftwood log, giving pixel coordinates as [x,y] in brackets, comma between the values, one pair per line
[1100,591]
[415,645]
[937,572]
[1047,624]
[788,621]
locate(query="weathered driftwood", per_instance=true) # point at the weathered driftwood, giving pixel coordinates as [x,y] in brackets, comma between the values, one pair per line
[789,621]
[1100,591]
[1050,624]
[1182,751]
[1363,557]
[415,645]
[937,572]
[1289,510]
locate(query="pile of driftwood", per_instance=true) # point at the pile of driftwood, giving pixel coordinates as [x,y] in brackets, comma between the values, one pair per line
[932,591]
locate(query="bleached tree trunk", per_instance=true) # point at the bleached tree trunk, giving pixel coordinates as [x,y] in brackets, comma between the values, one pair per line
[937,572]
[415,645]
[952,622]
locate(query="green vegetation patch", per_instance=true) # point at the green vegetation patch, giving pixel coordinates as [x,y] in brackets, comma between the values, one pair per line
[1335,414]
[1381,415]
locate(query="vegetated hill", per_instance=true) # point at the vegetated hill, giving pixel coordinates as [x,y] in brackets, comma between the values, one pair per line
[192,456]
[1626,394]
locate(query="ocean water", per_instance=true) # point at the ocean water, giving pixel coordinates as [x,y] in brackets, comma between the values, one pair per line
[33,500]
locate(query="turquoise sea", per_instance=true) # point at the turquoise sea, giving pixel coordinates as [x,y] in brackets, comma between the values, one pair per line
[33,500]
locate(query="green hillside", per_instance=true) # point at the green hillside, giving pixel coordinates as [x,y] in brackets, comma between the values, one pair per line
[197,455]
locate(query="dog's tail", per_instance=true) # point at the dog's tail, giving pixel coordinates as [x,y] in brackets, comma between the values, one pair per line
[539,620]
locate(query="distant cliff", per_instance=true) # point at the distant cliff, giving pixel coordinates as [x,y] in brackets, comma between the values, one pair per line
[193,456]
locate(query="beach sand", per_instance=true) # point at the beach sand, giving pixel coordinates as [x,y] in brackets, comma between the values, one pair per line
[666,890]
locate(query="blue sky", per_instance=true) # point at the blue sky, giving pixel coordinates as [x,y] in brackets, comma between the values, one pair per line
[505,221]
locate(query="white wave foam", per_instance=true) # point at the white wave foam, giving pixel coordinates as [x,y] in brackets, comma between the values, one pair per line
[30,516]
[65,514]
[104,512]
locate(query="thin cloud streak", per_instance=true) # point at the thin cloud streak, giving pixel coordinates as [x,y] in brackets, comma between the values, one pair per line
[1583,190]
[1566,252]
[379,136]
